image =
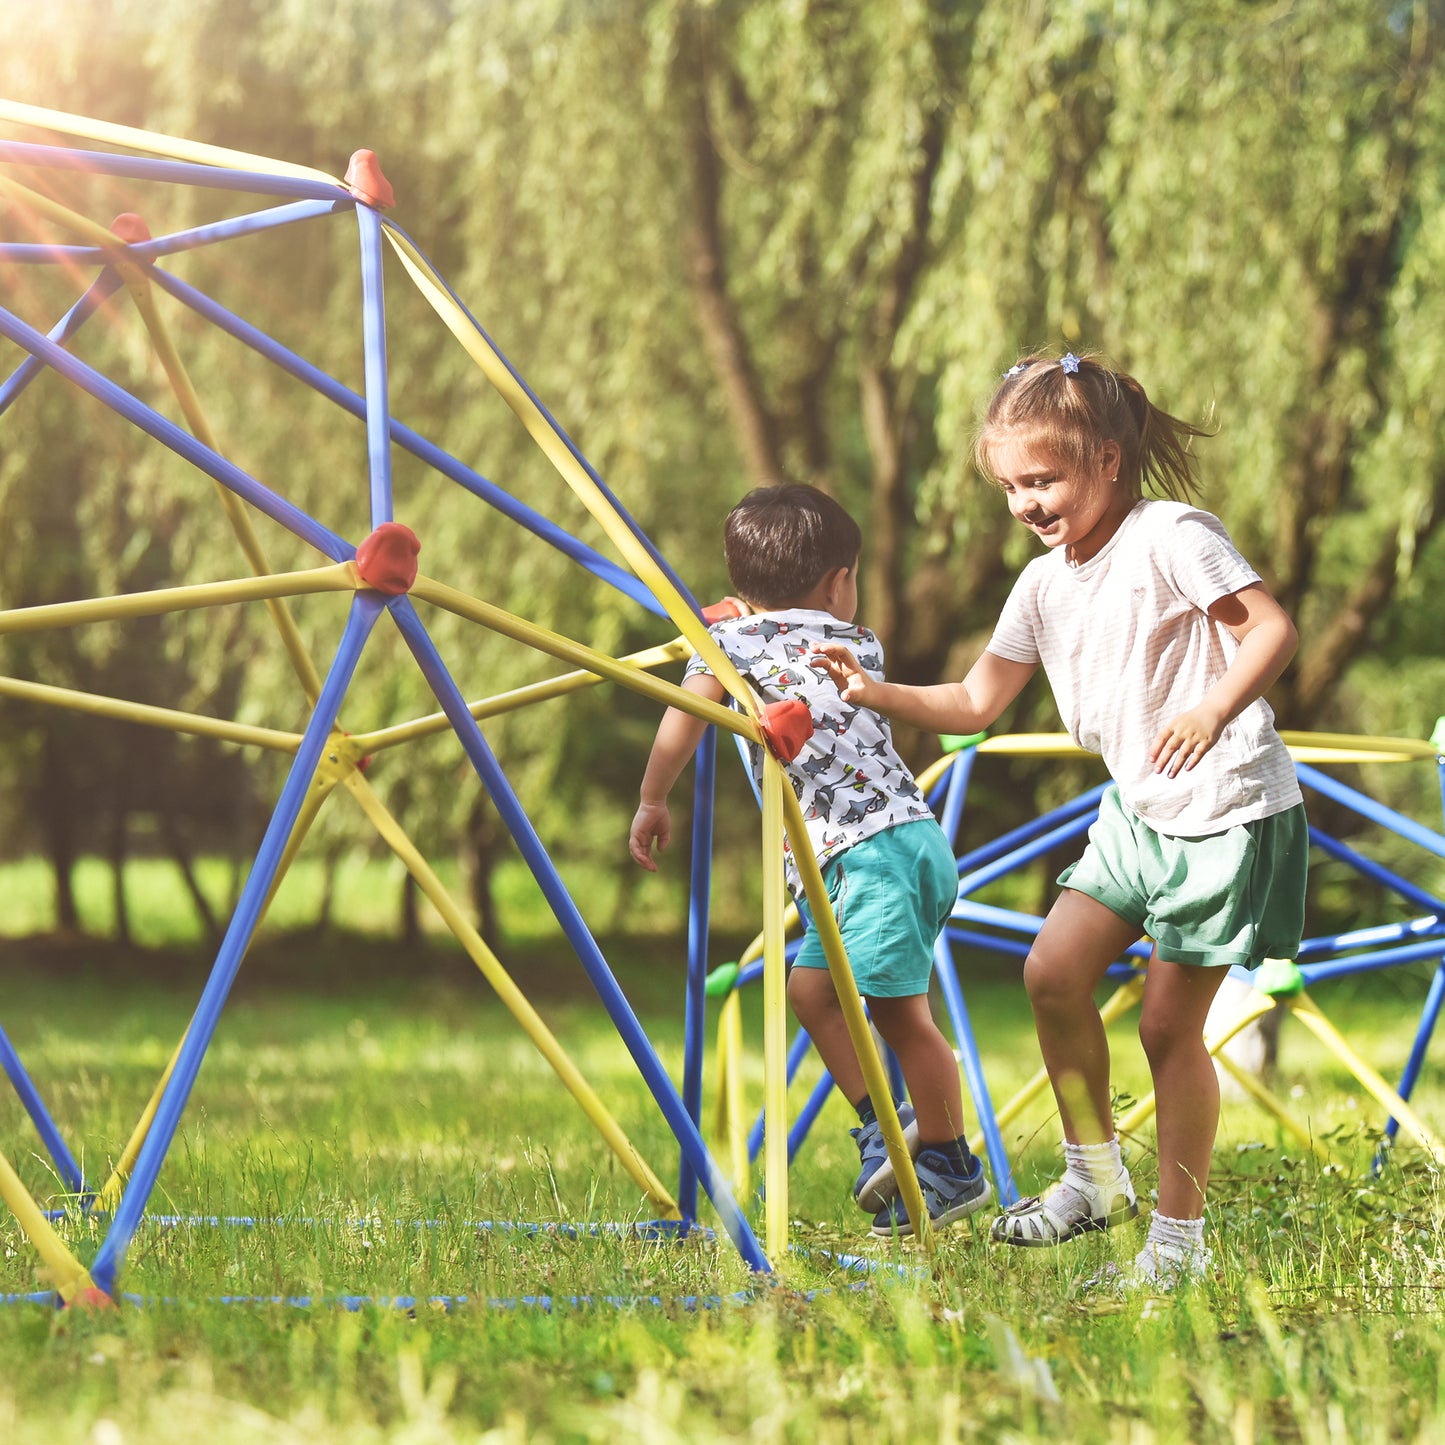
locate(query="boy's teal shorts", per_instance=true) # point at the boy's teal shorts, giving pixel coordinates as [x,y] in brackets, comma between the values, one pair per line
[891,894]
[1236,897]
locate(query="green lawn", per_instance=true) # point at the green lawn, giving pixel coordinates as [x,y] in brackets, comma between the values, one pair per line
[368,1123]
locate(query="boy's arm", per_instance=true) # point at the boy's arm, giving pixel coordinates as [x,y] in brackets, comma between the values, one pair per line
[678,735]
[969,706]
[1267,640]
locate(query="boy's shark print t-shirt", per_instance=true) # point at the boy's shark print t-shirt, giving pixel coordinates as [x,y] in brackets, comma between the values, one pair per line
[849,780]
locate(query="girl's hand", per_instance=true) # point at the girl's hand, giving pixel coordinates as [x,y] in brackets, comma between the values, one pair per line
[842,667]
[1181,743]
[651,823]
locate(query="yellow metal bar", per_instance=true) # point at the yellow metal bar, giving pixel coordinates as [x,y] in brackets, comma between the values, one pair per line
[539,427]
[69,1275]
[120,710]
[92,233]
[1305,747]
[155,143]
[601,663]
[511,701]
[138,282]
[1396,748]
[108,1195]
[730,1090]
[337,577]
[775,1014]
[1271,1105]
[1307,1012]
[510,995]
[874,1074]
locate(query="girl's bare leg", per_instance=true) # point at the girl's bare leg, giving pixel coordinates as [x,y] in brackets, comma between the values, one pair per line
[1177,997]
[1078,941]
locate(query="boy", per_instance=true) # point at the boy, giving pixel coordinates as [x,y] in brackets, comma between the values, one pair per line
[792,555]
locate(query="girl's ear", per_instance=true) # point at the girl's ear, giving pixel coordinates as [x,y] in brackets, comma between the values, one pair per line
[1108,460]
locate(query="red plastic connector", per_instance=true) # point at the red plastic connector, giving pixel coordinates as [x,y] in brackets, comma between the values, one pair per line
[365,181]
[130,228]
[386,559]
[787,725]
[92,1299]
[722,611]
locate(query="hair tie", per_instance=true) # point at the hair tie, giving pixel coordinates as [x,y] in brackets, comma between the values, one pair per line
[1014,370]
[1070,363]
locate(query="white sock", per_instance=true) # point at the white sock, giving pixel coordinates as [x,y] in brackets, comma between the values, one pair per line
[1182,1236]
[1098,1163]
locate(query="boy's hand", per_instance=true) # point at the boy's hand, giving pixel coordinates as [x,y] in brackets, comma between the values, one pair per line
[1181,743]
[842,667]
[652,822]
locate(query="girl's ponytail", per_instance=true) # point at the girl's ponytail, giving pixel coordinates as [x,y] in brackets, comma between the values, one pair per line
[1071,406]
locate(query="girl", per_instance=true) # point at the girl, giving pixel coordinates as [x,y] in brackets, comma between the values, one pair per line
[1158,640]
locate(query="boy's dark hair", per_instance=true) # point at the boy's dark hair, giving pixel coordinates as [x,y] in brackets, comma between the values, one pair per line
[780,542]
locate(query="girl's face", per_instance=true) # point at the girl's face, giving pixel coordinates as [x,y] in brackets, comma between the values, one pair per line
[1077,509]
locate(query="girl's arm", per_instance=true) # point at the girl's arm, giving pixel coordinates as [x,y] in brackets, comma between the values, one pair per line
[1267,640]
[969,706]
[678,735]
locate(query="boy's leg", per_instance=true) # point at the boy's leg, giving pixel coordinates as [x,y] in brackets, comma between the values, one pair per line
[1079,939]
[929,1066]
[815,1005]
[1177,997]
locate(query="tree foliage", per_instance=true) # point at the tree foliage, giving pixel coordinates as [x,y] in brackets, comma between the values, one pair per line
[730,242]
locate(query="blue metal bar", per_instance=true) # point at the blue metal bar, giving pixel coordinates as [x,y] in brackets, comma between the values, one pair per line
[958,780]
[365,608]
[808,1114]
[169,434]
[96,295]
[1370,962]
[417,445]
[1029,923]
[1343,853]
[176,241]
[1003,1180]
[145,168]
[695,1017]
[1428,1018]
[621,511]
[981,877]
[797,1051]
[1085,802]
[45,1126]
[505,800]
[1407,828]
[373,334]
[1335,943]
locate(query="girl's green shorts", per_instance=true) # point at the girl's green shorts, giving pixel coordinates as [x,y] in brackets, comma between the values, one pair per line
[891,894]
[1236,897]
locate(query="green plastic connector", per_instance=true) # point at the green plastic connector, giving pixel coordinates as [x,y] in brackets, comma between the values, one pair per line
[1437,738]
[1279,978]
[721,980]
[956,742]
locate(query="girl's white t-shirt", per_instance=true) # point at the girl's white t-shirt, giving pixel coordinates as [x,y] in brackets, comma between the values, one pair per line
[1127,644]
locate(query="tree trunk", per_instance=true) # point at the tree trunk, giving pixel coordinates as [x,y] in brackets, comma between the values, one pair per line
[481,848]
[61,846]
[181,856]
[410,912]
[118,851]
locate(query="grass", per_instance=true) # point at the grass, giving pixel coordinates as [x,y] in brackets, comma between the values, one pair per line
[368,1109]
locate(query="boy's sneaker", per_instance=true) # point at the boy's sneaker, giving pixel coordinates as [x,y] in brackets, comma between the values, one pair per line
[947,1195]
[877,1183]
[1071,1206]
